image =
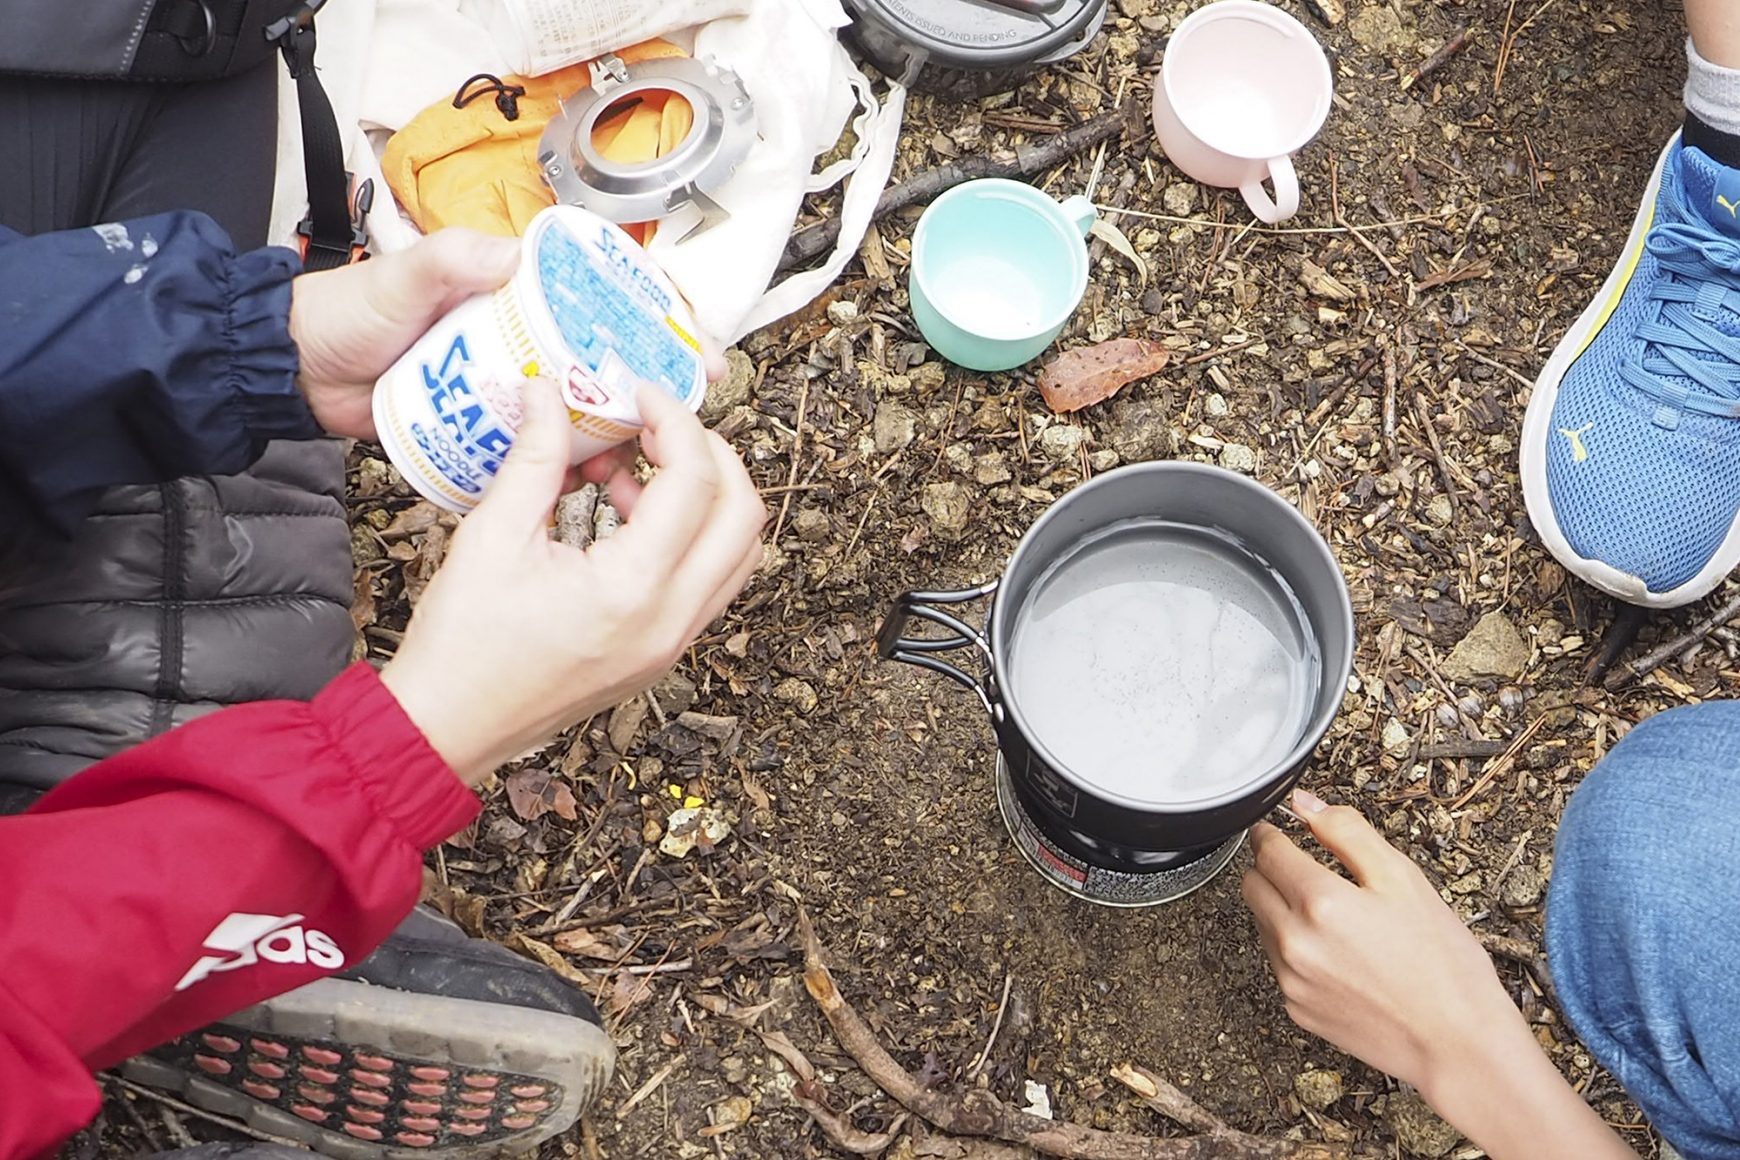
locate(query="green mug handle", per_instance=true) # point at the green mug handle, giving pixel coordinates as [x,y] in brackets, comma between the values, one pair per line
[1081,212]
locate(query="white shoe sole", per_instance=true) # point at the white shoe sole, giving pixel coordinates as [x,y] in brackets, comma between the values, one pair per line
[1537,430]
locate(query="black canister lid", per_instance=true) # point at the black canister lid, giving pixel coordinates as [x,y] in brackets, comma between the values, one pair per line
[984,34]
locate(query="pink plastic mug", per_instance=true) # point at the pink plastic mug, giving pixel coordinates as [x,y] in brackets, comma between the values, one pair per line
[1243,86]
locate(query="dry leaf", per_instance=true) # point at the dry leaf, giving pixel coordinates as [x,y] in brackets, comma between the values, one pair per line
[1090,374]
[419,517]
[431,550]
[549,956]
[752,789]
[362,605]
[625,722]
[1322,283]
[626,991]
[1112,236]
[532,793]
[584,942]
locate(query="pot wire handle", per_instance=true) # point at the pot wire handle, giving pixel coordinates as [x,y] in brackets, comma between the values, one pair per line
[894,645]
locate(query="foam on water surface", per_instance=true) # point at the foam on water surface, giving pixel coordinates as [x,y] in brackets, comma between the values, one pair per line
[1163,664]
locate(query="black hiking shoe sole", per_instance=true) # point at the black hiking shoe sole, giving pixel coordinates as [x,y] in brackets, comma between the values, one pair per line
[362,1072]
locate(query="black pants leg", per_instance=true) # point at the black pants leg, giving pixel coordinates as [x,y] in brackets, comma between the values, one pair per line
[75,153]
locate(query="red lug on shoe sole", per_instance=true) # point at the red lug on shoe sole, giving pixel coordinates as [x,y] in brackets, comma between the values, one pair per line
[319,1075]
[363,1131]
[322,1056]
[372,1098]
[269,1049]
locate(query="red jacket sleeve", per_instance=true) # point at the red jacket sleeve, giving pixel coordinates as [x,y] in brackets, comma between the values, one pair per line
[228,861]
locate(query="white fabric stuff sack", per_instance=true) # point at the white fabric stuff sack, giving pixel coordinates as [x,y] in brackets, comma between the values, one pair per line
[541,36]
[804,87]
[404,55]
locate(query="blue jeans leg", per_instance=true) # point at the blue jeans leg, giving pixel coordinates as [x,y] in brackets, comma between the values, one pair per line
[1643,922]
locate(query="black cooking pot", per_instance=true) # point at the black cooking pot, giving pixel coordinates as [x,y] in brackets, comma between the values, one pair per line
[971,47]
[1114,823]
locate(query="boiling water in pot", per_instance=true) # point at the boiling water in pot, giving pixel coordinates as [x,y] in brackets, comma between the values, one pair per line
[1163,663]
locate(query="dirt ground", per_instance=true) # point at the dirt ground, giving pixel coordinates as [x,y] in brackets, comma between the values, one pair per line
[1379,384]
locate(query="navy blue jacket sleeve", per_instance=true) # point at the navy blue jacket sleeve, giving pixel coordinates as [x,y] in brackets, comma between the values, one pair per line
[138,352]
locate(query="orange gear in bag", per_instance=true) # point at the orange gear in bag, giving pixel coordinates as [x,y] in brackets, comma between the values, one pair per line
[474,162]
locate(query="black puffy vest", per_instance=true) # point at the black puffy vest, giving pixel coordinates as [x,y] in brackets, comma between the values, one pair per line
[172,601]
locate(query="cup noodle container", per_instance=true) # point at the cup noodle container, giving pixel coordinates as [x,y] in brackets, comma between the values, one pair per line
[587,308]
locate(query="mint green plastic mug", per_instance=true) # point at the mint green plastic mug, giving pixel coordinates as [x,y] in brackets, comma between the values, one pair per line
[997,269]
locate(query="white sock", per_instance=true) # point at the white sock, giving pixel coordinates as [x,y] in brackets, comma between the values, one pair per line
[1712,92]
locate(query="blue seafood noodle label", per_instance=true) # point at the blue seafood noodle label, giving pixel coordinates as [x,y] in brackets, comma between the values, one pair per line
[465,442]
[613,315]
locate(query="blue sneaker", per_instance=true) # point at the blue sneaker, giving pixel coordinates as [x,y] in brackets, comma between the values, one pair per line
[1631,444]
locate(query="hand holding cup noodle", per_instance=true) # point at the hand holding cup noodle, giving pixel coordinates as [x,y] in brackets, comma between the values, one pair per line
[519,635]
[587,308]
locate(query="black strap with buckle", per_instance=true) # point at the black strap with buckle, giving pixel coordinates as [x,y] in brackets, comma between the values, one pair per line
[333,233]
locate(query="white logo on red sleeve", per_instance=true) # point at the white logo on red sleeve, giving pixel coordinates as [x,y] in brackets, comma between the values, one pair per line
[242,940]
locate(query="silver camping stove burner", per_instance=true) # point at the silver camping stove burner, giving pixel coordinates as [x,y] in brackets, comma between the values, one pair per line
[1096,883]
[723,132]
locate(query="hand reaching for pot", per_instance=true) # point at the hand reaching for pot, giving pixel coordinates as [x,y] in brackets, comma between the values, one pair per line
[1384,970]
[519,636]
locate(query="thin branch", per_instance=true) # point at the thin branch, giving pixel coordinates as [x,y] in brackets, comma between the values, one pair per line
[977,1112]
[201,1113]
[1642,667]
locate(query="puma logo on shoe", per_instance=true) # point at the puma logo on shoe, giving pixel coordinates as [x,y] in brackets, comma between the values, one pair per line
[1732,207]
[1578,452]
[242,940]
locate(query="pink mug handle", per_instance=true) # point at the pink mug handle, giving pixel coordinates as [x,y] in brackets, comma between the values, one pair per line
[1286,200]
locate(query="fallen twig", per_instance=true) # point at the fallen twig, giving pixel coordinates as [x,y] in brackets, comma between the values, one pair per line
[996,1026]
[840,1132]
[1341,220]
[201,1113]
[797,447]
[1439,59]
[1425,413]
[813,241]
[1502,764]
[1456,749]
[1525,955]
[976,1112]
[1335,396]
[1166,1099]
[1633,670]
[648,1088]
